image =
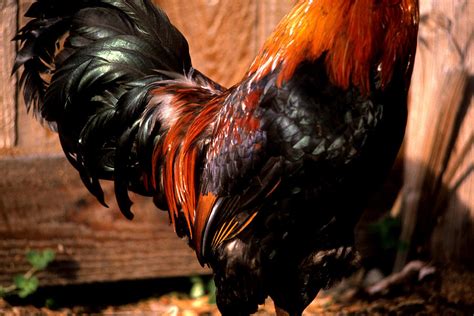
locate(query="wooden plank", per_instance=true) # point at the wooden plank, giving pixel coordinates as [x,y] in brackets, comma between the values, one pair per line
[8,25]
[440,129]
[221,34]
[453,236]
[43,205]
[225,36]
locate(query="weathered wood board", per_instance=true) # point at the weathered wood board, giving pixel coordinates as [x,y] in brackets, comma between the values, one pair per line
[225,35]
[439,143]
[8,26]
[44,205]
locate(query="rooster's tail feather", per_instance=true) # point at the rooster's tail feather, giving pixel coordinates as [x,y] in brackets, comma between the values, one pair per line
[88,67]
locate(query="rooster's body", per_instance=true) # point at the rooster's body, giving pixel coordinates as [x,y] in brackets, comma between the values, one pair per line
[266,178]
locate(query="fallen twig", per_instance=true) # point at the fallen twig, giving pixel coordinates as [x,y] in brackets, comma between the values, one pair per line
[414,268]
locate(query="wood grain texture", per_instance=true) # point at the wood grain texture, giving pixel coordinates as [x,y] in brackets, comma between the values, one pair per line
[8,25]
[225,35]
[453,235]
[222,35]
[43,204]
[439,147]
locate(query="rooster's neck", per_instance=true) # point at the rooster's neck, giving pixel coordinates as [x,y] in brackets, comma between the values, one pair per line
[355,37]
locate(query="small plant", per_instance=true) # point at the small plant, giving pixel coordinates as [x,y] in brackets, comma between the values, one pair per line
[199,289]
[26,284]
[388,231]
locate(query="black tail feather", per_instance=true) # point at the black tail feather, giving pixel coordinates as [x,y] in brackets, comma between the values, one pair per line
[88,68]
[122,170]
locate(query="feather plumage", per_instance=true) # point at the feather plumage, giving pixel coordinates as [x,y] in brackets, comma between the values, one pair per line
[266,179]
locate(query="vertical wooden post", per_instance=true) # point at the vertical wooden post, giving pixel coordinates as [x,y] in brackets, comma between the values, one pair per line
[438,213]
[8,27]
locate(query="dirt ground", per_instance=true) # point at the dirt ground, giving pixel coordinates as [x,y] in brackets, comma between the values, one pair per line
[444,292]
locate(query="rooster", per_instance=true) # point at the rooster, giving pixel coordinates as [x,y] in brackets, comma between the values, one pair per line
[267,178]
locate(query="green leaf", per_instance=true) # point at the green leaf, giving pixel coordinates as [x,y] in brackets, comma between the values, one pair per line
[198,289]
[19,280]
[40,259]
[26,286]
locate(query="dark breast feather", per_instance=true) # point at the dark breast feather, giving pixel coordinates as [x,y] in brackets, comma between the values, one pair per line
[329,147]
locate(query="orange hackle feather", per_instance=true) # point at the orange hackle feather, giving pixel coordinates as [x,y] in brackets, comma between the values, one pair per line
[354,35]
[180,147]
[188,157]
[204,207]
